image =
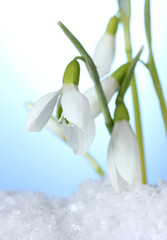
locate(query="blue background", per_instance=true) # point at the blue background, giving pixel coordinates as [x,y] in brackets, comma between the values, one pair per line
[33,55]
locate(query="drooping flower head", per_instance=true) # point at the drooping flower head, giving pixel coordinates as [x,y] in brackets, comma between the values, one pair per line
[123,153]
[105,49]
[69,98]
[72,112]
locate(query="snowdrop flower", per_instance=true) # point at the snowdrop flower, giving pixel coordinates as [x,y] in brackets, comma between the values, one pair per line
[110,85]
[77,121]
[72,111]
[123,156]
[105,49]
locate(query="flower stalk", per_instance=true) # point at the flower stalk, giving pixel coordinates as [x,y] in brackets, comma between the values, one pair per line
[94,75]
[157,85]
[124,8]
[151,64]
[126,82]
[94,164]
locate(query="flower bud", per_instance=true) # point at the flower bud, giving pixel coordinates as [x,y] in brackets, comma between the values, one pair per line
[110,85]
[105,49]
[123,157]
[120,73]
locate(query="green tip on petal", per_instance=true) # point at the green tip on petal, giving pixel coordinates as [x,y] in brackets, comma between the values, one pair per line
[112,25]
[121,113]
[120,73]
[71,74]
[59,112]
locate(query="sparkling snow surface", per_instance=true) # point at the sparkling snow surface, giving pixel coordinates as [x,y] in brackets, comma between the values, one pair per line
[95,212]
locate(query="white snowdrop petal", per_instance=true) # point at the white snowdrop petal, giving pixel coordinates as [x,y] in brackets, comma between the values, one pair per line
[76,108]
[80,140]
[123,157]
[104,54]
[112,168]
[52,124]
[41,112]
[110,85]
[116,180]
[138,175]
[55,127]
[127,151]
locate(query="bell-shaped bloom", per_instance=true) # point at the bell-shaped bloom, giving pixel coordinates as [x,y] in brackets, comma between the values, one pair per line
[110,85]
[105,49]
[73,112]
[79,131]
[104,54]
[123,157]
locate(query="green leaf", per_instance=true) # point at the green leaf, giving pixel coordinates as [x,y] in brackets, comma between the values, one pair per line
[128,77]
[94,75]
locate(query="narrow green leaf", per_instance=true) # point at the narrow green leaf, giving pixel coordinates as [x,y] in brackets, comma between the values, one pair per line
[94,75]
[128,77]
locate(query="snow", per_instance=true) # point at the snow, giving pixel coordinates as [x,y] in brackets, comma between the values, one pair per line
[94,212]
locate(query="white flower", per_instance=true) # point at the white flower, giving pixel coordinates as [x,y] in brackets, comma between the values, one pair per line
[41,112]
[104,54]
[110,85]
[123,157]
[73,112]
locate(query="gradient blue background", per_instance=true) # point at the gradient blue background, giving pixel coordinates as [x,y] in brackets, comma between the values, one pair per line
[33,55]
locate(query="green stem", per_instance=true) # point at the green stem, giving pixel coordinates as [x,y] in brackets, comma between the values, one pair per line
[151,63]
[126,20]
[94,164]
[80,58]
[147,23]
[158,88]
[128,77]
[94,75]
[138,129]
[136,108]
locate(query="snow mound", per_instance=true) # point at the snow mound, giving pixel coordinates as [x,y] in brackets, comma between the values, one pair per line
[95,212]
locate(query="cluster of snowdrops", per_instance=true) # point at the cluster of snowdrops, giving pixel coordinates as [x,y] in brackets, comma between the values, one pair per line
[73,119]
